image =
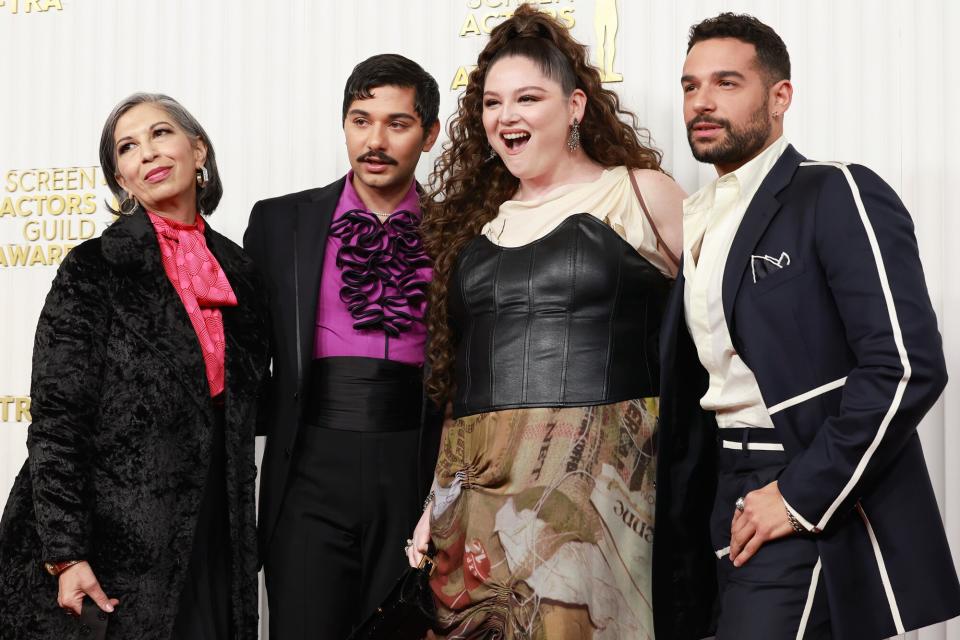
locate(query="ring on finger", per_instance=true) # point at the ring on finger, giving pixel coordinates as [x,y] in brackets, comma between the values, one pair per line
[739,504]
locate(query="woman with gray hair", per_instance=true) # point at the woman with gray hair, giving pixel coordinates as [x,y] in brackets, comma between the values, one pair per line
[135,508]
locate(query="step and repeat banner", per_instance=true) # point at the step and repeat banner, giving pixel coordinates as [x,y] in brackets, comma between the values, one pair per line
[874,83]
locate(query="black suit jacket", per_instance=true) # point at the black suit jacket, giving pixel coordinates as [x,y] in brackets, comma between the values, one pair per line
[825,301]
[121,435]
[286,238]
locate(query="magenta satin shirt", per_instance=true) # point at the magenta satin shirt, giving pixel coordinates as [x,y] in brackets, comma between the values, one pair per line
[373,289]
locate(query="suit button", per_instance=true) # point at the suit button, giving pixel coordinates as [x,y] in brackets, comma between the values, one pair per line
[101,616]
[287,453]
[84,630]
[296,395]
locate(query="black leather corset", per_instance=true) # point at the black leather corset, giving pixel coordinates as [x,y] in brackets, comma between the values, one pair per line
[571,319]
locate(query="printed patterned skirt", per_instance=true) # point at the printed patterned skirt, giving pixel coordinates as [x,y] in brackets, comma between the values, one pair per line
[543,523]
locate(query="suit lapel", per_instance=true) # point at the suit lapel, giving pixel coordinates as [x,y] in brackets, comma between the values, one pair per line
[310,240]
[149,306]
[760,212]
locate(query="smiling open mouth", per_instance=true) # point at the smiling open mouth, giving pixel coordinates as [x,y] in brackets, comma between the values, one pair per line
[515,140]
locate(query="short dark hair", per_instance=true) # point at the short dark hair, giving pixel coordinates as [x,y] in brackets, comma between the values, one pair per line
[393,70]
[208,196]
[772,53]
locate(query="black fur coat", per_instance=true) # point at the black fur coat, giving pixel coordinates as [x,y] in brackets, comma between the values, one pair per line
[120,441]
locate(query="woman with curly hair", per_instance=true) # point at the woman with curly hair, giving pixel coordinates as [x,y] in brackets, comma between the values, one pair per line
[554,234]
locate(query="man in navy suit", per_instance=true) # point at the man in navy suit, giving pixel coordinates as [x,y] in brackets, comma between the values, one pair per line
[800,352]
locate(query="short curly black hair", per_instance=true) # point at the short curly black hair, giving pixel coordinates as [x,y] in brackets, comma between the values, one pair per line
[772,53]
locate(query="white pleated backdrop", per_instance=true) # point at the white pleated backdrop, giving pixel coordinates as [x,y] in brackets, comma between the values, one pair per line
[875,83]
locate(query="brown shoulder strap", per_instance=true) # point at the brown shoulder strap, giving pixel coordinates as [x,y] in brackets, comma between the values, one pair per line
[661,245]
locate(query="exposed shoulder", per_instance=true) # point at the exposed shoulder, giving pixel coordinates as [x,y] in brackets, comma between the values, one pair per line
[664,200]
[657,184]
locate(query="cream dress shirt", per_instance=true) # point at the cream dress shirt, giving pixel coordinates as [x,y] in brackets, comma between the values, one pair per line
[711,218]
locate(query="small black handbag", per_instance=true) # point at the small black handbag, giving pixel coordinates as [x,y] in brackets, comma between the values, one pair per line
[408,610]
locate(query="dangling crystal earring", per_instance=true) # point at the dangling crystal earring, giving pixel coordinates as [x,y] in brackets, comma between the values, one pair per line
[492,155]
[203,176]
[573,140]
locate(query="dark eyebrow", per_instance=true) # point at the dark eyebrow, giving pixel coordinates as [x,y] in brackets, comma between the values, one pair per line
[532,87]
[402,115]
[716,75]
[153,126]
[720,75]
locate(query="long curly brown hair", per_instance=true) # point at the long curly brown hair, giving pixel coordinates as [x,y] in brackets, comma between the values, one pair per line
[467,186]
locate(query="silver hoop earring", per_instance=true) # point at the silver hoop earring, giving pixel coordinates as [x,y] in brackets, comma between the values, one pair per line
[203,176]
[128,205]
[573,140]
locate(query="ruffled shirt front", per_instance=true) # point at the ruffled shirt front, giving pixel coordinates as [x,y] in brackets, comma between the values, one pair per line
[373,291]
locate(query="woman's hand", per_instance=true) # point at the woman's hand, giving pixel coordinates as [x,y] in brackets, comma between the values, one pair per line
[421,538]
[77,581]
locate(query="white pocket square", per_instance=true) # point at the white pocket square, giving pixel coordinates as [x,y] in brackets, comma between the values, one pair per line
[762,266]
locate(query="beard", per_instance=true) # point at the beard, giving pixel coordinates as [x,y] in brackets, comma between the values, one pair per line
[739,144]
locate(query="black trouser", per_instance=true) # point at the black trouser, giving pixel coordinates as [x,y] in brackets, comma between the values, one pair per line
[780,589]
[204,610]
[350,504]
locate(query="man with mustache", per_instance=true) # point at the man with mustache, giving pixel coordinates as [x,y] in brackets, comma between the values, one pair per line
[799,353]
[347,275]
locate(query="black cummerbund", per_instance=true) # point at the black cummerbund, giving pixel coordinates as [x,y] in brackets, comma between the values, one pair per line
[363,394]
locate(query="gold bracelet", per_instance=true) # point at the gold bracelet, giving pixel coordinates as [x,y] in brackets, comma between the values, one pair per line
[56,568]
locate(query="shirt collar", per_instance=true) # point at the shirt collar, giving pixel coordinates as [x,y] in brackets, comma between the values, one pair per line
[350,199]
[169,227]
[747,178]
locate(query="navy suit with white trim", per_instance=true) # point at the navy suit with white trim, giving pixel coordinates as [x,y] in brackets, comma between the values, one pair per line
[825,300]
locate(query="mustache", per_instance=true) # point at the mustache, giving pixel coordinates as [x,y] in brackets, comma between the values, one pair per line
[705,119]
[378,156]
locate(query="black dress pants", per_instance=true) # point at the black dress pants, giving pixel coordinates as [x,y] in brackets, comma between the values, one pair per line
[778,594]
[204,611]
[350,504]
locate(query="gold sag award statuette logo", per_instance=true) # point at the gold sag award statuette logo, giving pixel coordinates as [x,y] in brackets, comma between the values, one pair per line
[15,409]
[30,6]
[606,21]
[54,210]
[484,15]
